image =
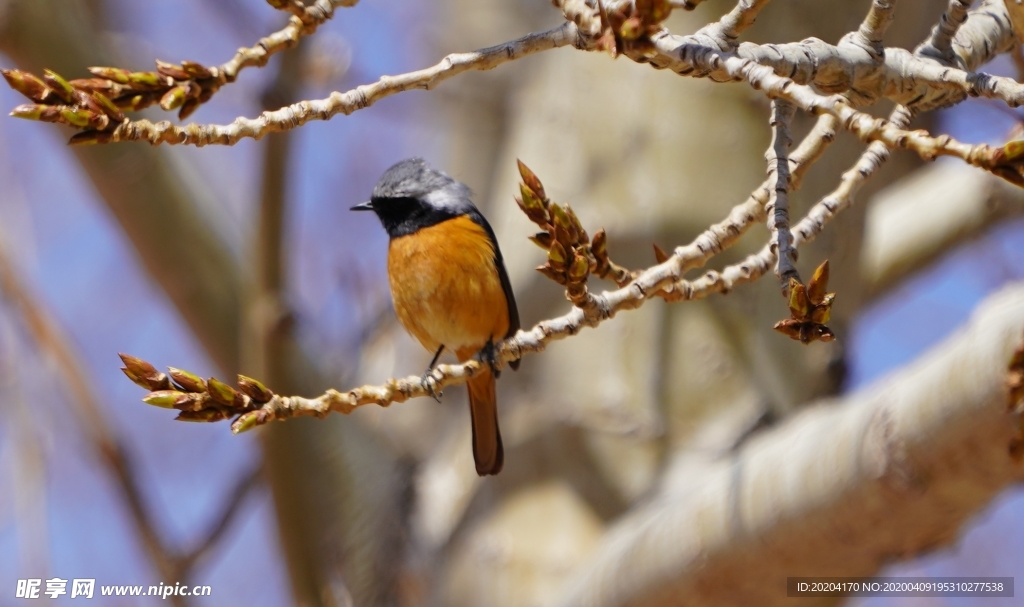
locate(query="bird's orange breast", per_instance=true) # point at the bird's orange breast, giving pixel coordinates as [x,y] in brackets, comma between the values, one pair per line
[446,287]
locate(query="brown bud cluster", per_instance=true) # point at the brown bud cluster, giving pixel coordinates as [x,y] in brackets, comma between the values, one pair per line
[631,23]
[572,254]
[198,400]
[570,251]
[97,105]
[810,307]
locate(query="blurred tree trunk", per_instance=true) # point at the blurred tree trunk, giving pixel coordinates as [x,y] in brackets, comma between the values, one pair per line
[337,490]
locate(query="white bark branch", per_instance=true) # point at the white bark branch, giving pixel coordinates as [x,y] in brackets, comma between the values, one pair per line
[838,489]
[927,214]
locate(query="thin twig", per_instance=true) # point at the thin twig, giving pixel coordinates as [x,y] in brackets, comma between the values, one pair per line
[876,22]
[940,43]
[724,234]
[777,208]
[735,22]
[358,98]
[806,230]
[304,22]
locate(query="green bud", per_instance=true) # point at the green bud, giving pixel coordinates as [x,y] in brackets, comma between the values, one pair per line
[599,244]
[196,70]
[221,392]
[254,389]
[190,382]
[577,227]
[579,268]
[542,240]
[556,254]
[29,111]
[59,85]
[146,79]
[107,106]
[818,284]
[138,381]
[133,103]
[144,374]
[530,200]
[173,71]
[205,415]
[27,84]
[116,74]
[79,118]
[173,98]
[531,180]
[168,399]
[244,423]
[560,216]
[1014,150]
[799,306]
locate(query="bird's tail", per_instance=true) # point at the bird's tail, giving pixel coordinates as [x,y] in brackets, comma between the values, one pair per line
[483,411]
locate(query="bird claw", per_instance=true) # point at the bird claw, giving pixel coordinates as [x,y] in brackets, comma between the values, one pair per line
[429,381]
[490,355]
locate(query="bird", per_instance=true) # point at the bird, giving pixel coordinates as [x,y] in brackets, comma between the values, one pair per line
[448,283]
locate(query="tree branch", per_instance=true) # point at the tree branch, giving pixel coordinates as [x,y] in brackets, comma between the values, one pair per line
[837,489]
[685,58]
[304,22]
[777,208]
[876,22]
[728,29]
[338,103]
[756,265]
[927,215]
[940,44]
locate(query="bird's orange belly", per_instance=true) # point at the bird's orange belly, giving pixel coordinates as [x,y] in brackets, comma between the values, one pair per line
[446,288]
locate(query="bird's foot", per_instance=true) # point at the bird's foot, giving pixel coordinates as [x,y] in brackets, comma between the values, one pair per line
[429,382]
[490,355]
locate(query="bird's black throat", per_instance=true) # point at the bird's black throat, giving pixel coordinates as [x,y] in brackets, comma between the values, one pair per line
[404,216]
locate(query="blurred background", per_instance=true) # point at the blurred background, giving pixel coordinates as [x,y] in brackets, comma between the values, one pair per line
[170,254]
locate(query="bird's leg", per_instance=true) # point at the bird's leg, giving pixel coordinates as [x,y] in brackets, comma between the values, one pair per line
[490,356]
[427,381]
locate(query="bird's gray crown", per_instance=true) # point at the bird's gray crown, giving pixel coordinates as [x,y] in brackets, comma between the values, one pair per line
[411,196]
[412,178]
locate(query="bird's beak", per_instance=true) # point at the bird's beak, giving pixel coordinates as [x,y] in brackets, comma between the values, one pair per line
[365,206]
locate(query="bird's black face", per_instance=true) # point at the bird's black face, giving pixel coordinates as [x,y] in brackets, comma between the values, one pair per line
[404,215]
[410,196]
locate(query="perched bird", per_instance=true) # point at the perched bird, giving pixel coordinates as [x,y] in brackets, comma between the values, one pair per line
[448,282]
